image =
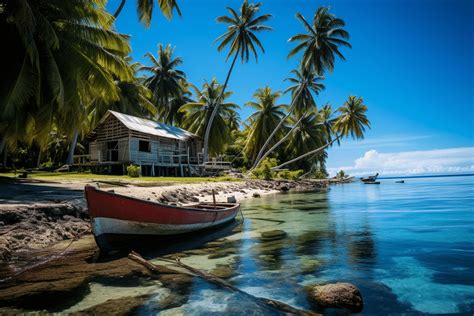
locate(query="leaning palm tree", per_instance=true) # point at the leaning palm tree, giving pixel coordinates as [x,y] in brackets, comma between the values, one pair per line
[263,121]
[308,134]
[197,115]
[320,44]
[319,47]
[352,121]
[165,81]
[241,39]
[304,85]
[145,9]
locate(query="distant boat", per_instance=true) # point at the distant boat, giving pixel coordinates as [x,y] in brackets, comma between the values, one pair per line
[371,182]
[116,216]
[370,178]
[400,181]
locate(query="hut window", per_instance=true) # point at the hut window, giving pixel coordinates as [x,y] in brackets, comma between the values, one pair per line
[144,146]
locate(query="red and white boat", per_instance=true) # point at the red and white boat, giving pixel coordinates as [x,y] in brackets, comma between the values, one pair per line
[114,214]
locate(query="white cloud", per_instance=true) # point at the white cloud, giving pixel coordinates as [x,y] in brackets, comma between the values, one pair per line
[452,160]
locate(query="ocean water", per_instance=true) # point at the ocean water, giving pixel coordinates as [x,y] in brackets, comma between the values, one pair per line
[408,247]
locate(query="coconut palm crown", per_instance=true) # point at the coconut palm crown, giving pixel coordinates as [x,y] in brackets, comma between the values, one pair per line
[241,29]
[165,81]
[352,119]
[197,115]
[320,45]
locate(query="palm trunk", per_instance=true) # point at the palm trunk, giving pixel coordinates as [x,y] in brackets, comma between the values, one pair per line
[278,143]
[2,144]
[5,154]
[214,111]
[38,161]
[119,9]
[70,156]
[315,151]
[260,153]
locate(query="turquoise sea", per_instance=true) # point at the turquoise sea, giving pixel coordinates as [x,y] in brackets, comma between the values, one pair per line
[409,248]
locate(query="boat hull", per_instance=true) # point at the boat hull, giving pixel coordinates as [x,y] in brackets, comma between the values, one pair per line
[112,214]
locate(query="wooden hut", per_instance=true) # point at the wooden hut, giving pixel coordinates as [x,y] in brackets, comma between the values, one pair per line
[159,149]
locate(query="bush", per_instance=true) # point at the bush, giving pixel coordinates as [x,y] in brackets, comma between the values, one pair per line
[290,175]
[133,171]
[264,170]
[320,174]
[47,164]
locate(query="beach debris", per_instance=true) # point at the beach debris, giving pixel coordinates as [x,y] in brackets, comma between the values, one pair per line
[339,295]
[231,199]
[256,195]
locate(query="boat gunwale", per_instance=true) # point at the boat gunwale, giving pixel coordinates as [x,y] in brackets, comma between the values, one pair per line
[231,206]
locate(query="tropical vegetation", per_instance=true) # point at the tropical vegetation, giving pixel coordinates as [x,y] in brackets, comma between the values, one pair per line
[66,65]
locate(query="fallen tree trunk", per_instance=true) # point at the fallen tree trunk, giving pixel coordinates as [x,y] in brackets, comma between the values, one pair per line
[289,310]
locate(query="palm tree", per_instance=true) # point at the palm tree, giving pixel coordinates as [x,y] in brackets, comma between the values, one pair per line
[234,121]
[174,116]
[262,122]
[303,86]
[61,56]
[134,99]
[352,121]
[145,9]
[309,133]
[166,81]
[321,43]
[241,39]
[197,115]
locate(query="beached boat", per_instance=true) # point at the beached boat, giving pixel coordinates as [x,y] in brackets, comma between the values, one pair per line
[114,215]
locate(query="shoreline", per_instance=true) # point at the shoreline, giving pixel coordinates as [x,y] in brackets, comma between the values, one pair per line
[34,223]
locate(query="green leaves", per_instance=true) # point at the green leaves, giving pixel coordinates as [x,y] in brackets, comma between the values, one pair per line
[63,56]
[352,119]
[240,37]
[321,43]
[197,115]
[166,82]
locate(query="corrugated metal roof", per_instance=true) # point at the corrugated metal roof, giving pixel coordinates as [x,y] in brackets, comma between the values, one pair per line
[151,127]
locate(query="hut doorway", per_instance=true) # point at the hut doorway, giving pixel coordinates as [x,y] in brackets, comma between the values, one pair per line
[112,151]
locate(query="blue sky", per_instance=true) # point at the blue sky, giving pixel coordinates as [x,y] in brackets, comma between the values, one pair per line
[411,61]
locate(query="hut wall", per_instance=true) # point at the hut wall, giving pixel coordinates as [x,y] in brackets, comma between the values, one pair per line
[140,156]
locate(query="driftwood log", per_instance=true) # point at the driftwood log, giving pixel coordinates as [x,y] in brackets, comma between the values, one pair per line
[285,308]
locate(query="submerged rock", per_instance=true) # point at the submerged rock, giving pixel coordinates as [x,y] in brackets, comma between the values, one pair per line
[340,295]
[223,271]
[120,306]
[273,235]
[310,265]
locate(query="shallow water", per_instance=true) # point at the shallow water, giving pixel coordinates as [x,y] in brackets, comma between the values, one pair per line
[408,247]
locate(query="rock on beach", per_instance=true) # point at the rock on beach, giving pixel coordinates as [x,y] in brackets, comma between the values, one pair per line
[339,295]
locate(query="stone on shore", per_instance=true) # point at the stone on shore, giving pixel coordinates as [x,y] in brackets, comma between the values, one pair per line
[339,295]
